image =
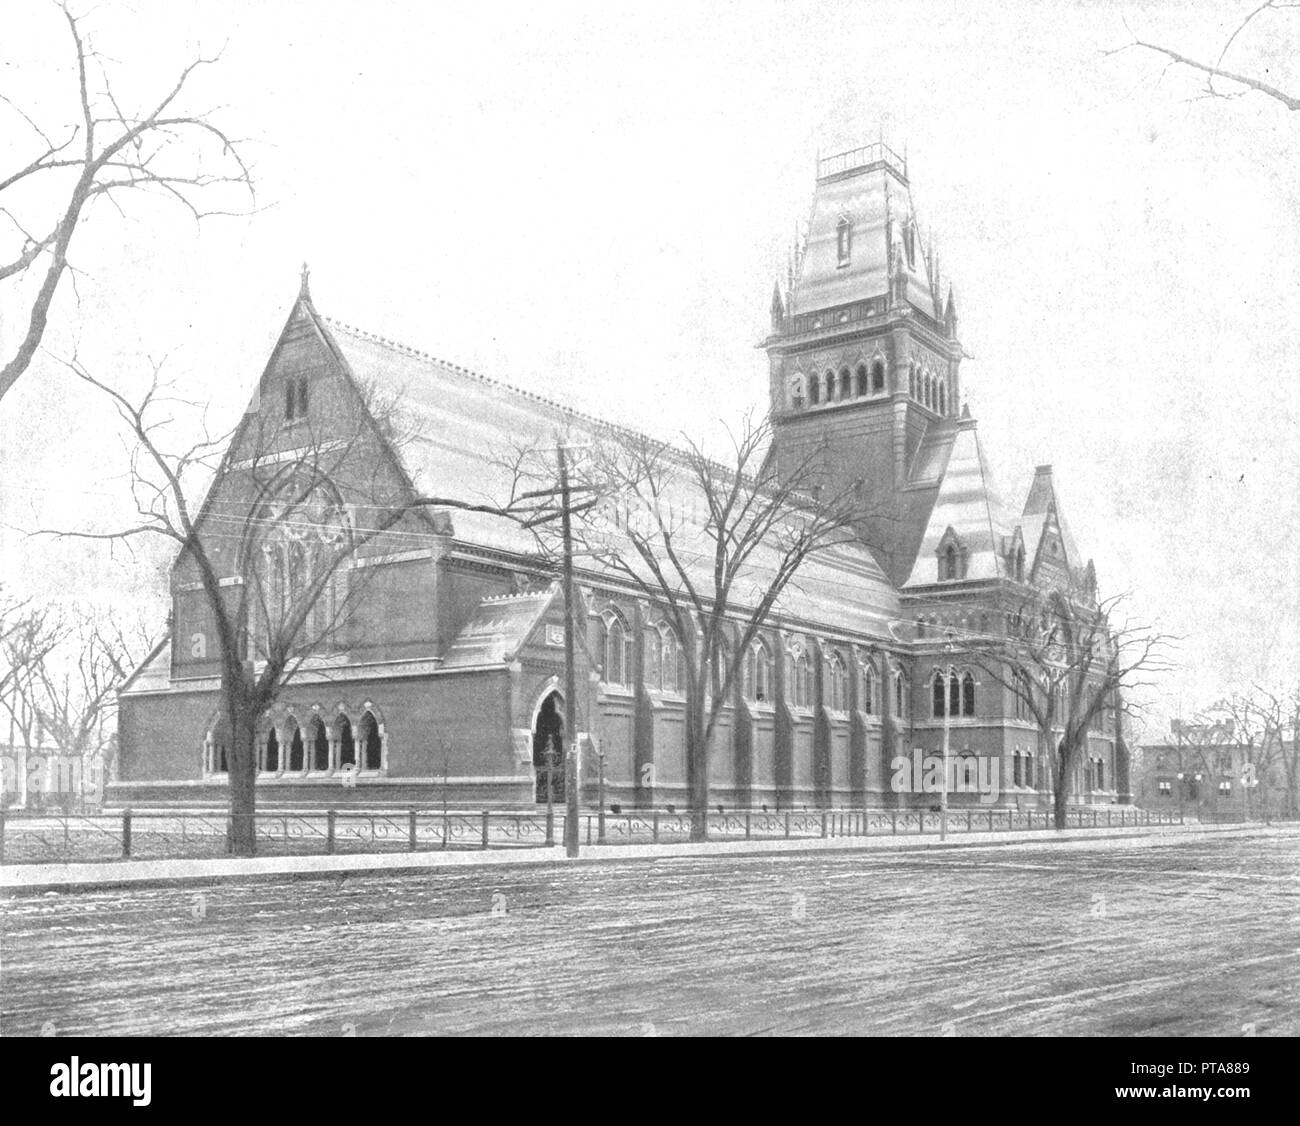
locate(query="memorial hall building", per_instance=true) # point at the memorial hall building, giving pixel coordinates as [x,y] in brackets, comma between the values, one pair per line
[448,682]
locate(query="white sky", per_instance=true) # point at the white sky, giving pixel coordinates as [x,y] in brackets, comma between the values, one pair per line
[592,201]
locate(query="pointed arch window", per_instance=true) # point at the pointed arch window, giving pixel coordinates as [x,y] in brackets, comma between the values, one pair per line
[372,743]
[967,695]
[839,676]
[868,689]
[297,751]
[617,650]
[320,745]
[843,240]
[271,752]
[653,670]
[814,390]
[846,384]
[937,695]
[347,743]
[911,380]
[901,694]
[861,379]
[830,385]
[943,399]
[877,376]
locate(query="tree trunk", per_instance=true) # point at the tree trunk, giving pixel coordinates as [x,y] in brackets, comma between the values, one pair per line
[697,767]
[243,779]
[1054,756]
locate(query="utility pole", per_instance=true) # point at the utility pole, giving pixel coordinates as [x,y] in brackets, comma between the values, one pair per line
[570,686]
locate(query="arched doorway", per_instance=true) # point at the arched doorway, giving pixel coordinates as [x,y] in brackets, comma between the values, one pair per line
[548,748]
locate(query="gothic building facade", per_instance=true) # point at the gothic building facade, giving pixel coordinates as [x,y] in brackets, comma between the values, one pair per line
[446,681]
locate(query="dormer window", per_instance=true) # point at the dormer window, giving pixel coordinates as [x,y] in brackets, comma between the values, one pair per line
[952,557]
[844,241]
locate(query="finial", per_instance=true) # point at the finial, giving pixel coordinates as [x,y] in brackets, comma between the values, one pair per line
[304,291]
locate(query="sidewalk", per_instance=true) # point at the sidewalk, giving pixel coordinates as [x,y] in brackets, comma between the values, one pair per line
[29,879]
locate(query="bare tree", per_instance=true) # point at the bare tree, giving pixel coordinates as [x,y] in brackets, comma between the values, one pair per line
[69,691]
[109,153]
[1233,82]
[714,547]
[1254,721]
[1068,659]
[277,555]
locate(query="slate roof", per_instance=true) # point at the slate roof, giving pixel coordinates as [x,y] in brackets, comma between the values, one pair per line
[967,502]
[876,200]
[467,420]
[498,629]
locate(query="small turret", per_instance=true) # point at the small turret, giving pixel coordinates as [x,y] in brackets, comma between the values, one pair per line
[778,308]
[950,315]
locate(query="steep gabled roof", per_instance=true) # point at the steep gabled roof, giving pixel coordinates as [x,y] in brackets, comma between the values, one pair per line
[1041,501]
[967,505]
[465,422]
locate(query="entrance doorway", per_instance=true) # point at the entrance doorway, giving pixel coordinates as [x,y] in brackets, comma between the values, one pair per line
[548,749]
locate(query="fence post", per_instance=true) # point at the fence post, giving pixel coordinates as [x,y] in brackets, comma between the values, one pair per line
[411,831]
[656,826]
[893,822]
[990,820]
[1148,817]
[485,828]
[329,830]
[787,824]
[823,823]
[126,834]
[746,824]
[589,828]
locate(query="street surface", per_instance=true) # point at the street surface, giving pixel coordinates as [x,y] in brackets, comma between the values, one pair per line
[1193,937]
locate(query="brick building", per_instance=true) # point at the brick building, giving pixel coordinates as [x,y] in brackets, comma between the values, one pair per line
[447,678]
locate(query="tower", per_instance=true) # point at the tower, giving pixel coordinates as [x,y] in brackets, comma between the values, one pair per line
[863,352]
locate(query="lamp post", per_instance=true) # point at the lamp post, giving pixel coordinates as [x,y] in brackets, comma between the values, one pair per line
[570,685]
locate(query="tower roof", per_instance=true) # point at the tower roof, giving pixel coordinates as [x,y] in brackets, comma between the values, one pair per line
[868,189]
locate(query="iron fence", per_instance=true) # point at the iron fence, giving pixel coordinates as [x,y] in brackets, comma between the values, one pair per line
[158,835]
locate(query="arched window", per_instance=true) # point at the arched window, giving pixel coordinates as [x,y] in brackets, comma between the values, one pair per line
[929,387]
[347,745]
[968,695]
[617,651]
[968,775]
[868,689]
[900,694]
[830,386]
[950,562]
[846,384]
[297,753]
[1101,774]
[762,672]
[943,399]
[861,379]
[877,376]
[937,695]
[814,390]
[672,661]
[1020,564]
[1015,768]
[747,675]
[372,747]
[320,745]
[653,672]
[843,241]
[216,749]
[1029,768]
[800,687]
[911,380]
[271,754]
[839,683]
